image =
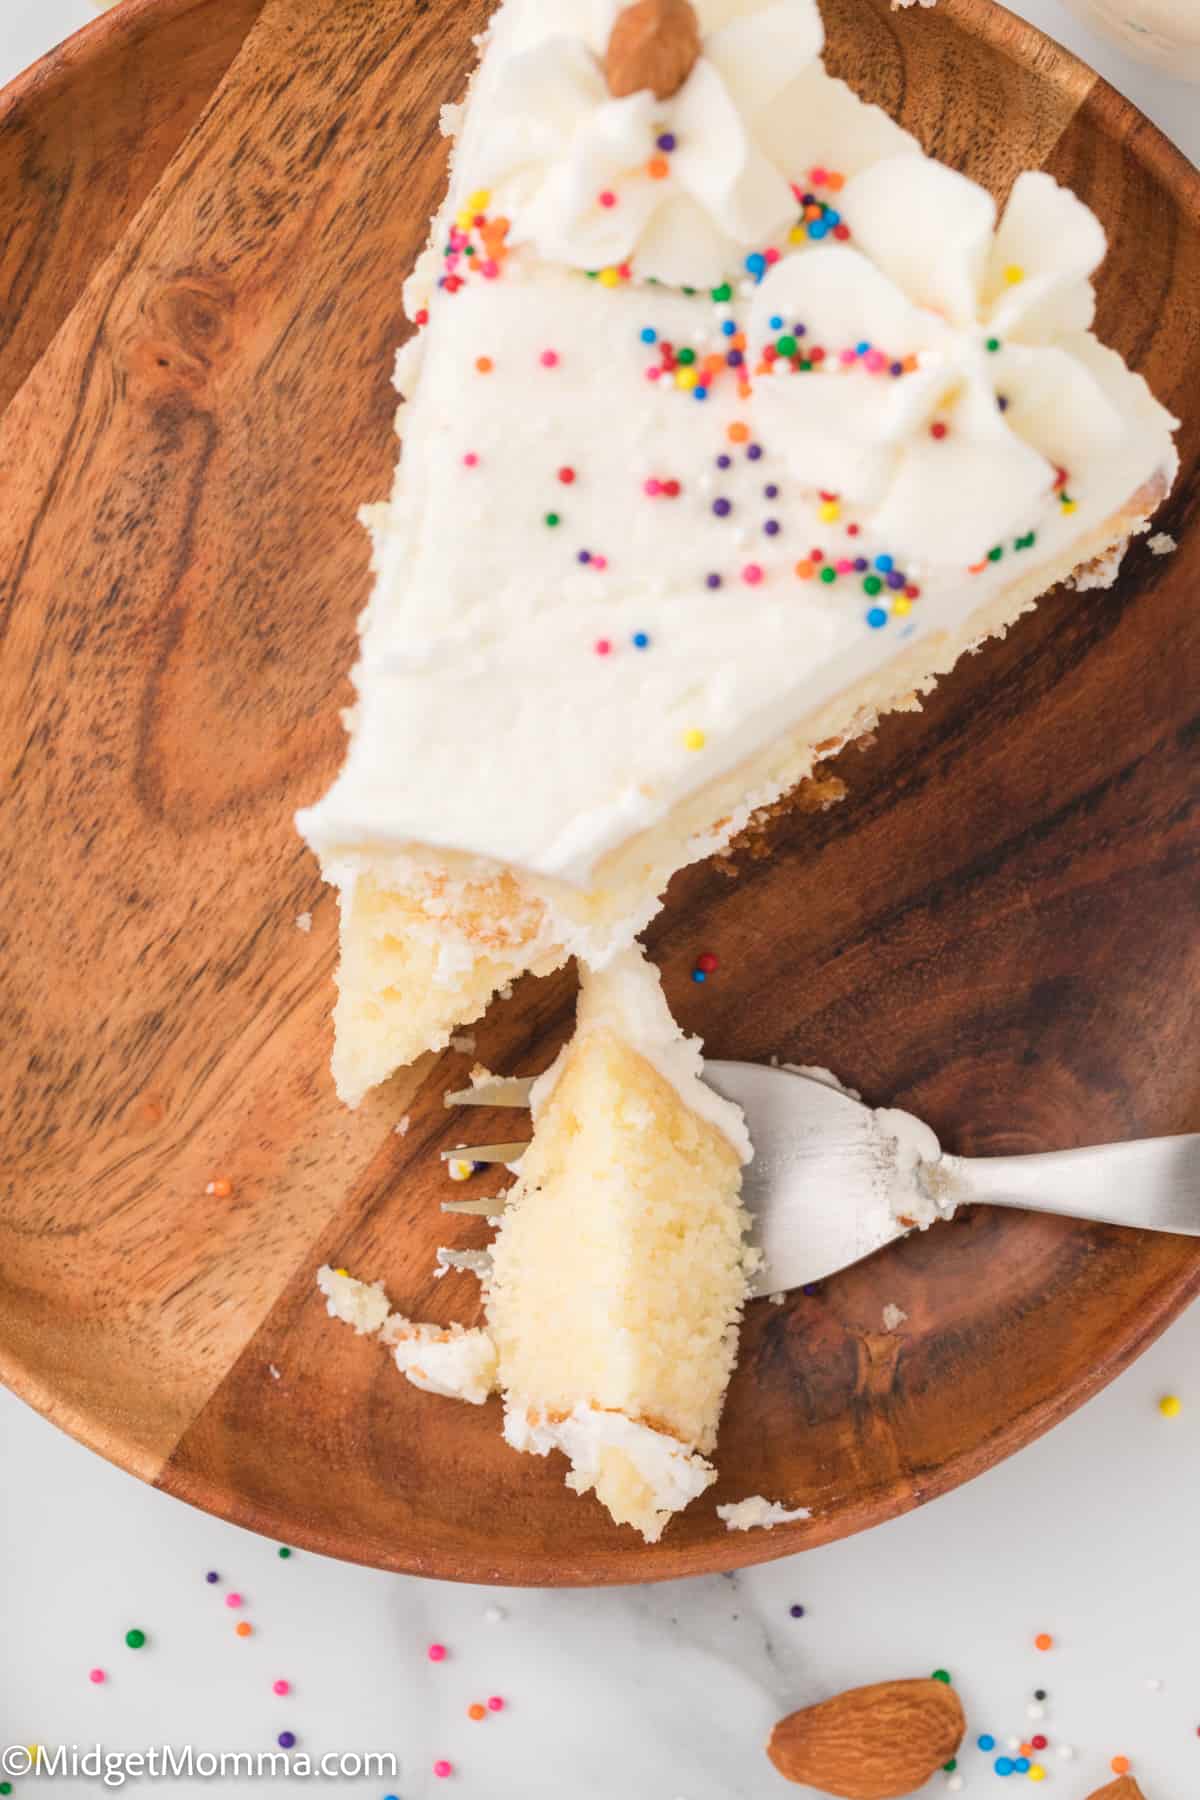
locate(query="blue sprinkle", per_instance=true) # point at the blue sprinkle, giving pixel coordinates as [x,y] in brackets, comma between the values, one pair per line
[884,563]
[756,263]
[876,617]
[729,327]
[809,1288]
[641,640]
[987,1741]
[698,975]
[862,348]
[832,218]
[776,323]
[1022,1765]
[1003,1765]
[649,335]
[699,393]
[818,228]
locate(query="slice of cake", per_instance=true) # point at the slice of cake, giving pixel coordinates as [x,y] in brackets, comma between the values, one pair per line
[620,1268]
[731,422]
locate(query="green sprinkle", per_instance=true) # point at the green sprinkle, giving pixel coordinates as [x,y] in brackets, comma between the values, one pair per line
[722,293]
[1024,543]
[996,554]
[786,345]
[951,1765]
[828,573]
[689,290]
[553,519]
[5,1787]
[942,1675]
[871,584]
[804,363]
[135,1638]
[685,357]
[993,344]
[284,1551]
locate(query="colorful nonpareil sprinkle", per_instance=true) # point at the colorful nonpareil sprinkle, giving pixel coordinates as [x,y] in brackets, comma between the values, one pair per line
[1170,1406]
[436,1653]
[220,1189]
[97,1676]
[243,1629]
[135,1638]
[281,1687]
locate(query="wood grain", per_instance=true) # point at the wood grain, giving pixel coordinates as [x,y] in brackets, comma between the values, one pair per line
[998,930]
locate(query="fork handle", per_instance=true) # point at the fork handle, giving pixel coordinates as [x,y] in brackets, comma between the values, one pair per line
[1153,1183]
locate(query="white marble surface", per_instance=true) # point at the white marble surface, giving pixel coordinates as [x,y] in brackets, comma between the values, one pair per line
[635,1694]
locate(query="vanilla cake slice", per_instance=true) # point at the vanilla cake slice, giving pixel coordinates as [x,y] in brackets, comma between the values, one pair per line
[732,420]
[619,1270]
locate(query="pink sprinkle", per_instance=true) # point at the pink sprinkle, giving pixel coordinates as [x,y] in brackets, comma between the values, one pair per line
[98,1675]
[281,1687]
[752,574]
[603,645]
[442,1768]
[847,357]
[875,361]
[625,271]
[549,359]
[600,562]
[652,374]
[471,459]
[819,177]
[233,1599]
[453,261]
[495,1704]
[772,256]
[437,1653]
[608,198]
[652,487]
[844,566]
[489,269]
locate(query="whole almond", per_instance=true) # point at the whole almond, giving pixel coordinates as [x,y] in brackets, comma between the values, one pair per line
[872,1743]
[653,44]
[1123,1788]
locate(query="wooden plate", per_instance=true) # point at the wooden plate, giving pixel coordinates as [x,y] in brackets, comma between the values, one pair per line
[998,930]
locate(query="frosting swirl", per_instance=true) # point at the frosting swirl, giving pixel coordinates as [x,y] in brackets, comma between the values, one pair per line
[951,378]
[678,188]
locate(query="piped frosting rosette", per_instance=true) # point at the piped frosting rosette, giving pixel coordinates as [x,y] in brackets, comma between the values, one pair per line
[952,380]
[679,187]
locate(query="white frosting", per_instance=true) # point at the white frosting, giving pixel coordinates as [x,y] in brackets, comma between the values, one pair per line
[674,1473]
[488,723]
[451,1360]
[751,1514]
[363,1305]
[626,998]
[557,142]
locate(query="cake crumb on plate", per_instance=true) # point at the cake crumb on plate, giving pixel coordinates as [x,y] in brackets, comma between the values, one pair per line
[747,1515]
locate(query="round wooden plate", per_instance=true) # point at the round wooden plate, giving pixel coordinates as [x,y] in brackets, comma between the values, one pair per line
[997,930]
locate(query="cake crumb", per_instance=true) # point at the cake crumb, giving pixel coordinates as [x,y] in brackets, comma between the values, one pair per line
[748,1515]
[467,1262]
[303,921]
[401,1128]
[893,1317]
[897,4]
[464,1041]
[494,1615]
[1101,571]
[777,1299]
[1161,544]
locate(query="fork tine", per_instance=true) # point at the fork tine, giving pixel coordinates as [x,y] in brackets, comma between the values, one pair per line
[497,1090]
[486,1153]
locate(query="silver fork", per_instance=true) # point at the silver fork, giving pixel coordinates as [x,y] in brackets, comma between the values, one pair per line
[833,1180]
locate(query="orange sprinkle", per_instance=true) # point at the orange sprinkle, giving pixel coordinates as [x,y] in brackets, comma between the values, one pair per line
[835,182]
[812,212]
[804,571]
[738,433]
[493,234]
[221,1188]
[658,168]
[484,364]
[1026,1749]
[243,1628]
[744,389]
[476,1711]
[738,340]
[908,364]
[712,363]
[1119,1765]
[973,569]
[1043,1641]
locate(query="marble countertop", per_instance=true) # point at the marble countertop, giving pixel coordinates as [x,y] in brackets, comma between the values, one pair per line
[663,1693]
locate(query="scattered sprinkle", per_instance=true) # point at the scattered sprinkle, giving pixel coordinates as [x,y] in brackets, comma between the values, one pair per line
[1120,1765]
[243,1628]
[286,1739]
[233,1599]
[1170,1406]
[135,1639]
[436,1653]
[941,1675]
[693,739]
[494,1615]
[281,1687]
[97,1676]
[476,1711]
[484,364]
[1043,1641]
[212,1576]
[220,1189]
[442,1768]
[283,1552]
[495,1703]
[796,1610]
